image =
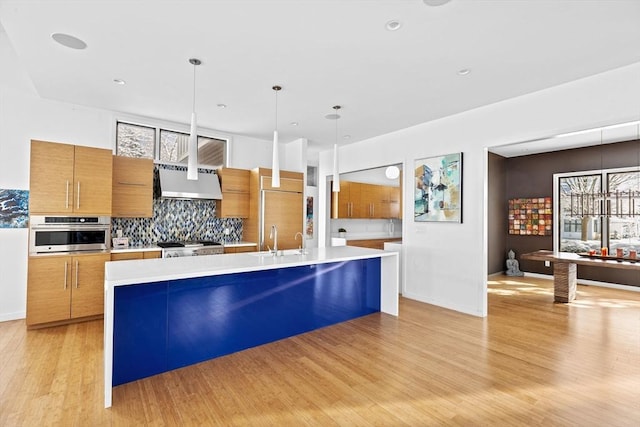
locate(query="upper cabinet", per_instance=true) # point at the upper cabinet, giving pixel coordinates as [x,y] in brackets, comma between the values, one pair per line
[66,178]
[234,184]
[347,202]
[132,187]
[359,200]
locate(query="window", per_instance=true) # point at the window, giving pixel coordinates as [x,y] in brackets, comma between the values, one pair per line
[581,227]
[135,140]
[623,224]
[578,226]
[312,176]
[172,147]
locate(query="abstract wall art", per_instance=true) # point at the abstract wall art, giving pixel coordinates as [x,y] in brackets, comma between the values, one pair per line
[14,208]
[530,217]
[438,189]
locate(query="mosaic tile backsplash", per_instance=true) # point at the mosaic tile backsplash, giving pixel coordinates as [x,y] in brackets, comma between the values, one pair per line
[176,219]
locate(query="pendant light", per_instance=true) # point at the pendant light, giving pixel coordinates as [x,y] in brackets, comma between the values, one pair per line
[275,161]
[192,161]
[335,187]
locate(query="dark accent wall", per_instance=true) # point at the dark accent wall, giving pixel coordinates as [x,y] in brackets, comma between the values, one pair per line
[532,176]
[498,218]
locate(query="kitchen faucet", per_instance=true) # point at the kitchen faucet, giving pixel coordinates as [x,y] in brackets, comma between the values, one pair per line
[301,248]
[274,235]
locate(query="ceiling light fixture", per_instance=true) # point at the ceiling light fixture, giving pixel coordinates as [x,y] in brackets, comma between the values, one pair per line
[464,72]
[119,81]
[223,106]
[275,160]
[192,161]
[294,123]
[435,2]
[335,186]
[392,172]
[393,25]
[69,41]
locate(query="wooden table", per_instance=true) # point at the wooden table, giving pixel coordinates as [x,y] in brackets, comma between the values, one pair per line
[565,267]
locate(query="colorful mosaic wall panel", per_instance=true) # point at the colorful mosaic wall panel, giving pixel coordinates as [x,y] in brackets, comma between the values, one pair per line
[530,217]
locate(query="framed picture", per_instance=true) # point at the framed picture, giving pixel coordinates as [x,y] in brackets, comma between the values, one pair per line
[438,189]
[14,208]
[531,217]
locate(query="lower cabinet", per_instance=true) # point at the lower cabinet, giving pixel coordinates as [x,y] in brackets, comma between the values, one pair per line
[65,287]
[371,243]
[122,256]
[239,249]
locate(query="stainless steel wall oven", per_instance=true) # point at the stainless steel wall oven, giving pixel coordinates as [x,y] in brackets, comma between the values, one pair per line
[69,233]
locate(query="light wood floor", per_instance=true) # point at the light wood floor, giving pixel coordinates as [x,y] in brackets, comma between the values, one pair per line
[530,362]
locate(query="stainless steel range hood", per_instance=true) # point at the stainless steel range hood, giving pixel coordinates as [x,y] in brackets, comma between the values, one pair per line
[174,184]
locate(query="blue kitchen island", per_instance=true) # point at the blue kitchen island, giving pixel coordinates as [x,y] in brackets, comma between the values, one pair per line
[163,314]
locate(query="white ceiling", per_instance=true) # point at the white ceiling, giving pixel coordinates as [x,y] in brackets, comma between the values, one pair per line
[323,52]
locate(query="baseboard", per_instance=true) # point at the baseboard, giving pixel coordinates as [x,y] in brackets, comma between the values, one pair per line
[5,317]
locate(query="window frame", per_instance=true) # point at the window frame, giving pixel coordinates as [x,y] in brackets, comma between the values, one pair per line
[604,186]
[174,127]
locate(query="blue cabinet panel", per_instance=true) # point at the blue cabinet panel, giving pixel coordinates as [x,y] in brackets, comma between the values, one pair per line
[212,316]
[139,331]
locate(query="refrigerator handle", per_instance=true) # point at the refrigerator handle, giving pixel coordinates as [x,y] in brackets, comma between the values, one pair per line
[261,216]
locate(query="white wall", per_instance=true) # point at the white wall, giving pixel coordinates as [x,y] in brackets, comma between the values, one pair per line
[445,264]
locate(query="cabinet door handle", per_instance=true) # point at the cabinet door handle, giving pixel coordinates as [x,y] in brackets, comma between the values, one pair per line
[66,198]
[76,274]
[139,184]
[65,275]
[78,205]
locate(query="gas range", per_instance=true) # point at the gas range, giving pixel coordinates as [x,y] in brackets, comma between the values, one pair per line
[190,248]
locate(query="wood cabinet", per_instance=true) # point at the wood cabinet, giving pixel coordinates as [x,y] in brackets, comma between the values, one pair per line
[371,243]
[63,287]
[347,202]
[66,178]
[361,200]
[239,249]
[132,191]
[282,206]
[234,184]
[123,256]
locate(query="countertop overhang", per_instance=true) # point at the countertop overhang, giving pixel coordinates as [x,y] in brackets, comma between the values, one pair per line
[157,270]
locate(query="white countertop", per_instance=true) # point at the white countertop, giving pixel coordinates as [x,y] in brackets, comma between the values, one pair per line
[367,236]
[157,248]
[161,269]
[239,244]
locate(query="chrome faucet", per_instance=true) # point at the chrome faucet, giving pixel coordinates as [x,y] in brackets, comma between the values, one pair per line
[274,235]
[301,248]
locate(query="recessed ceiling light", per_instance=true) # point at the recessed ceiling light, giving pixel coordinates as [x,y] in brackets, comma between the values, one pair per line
[294,123]
[221,105]
[119,81]
[346,137]
[393,25]
[464,72]
[68,41]
[435,2]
